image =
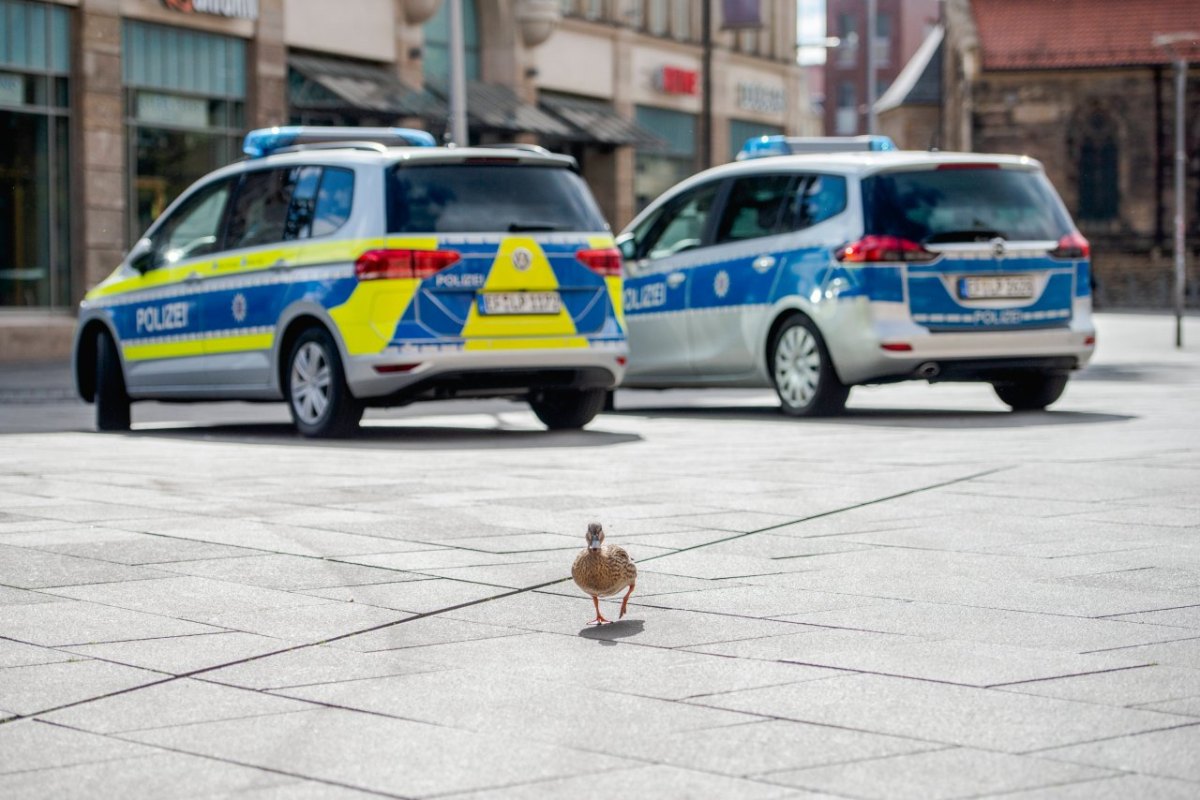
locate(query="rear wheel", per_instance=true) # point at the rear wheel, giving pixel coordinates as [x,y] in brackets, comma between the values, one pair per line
[564,409]
[320,402]
[112,401]
[1031,392]
[803,373]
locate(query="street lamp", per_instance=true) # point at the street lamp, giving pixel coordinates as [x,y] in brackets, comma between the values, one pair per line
[1168,41]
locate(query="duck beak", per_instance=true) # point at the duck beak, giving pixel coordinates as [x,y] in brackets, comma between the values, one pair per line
[594,544]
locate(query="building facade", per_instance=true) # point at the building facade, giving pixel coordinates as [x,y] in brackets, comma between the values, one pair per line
[900,28]
[110,108]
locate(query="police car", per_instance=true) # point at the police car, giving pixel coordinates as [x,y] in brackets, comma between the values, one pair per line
[343,268]
[815,273]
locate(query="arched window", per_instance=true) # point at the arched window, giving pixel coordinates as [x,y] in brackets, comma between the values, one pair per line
[1097,163]
[437,43]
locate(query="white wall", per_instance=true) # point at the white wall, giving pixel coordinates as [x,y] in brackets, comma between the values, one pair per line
[358,28]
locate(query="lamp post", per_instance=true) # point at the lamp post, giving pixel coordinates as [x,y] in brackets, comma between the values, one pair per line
[1168,41]
[458,76]
[870,59]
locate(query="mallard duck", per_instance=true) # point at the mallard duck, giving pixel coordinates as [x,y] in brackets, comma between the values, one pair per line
[602,570]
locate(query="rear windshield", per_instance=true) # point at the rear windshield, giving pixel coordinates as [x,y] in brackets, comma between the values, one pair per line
[489,198]
[963,205]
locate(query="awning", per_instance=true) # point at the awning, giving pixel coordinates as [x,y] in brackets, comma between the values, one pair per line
[498,109]
[336,84]
[598,122]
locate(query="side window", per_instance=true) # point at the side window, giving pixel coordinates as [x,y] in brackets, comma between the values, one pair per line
[335,198]
[754,207]
[260,210]
[681,225]
[304,203]
[194,229]
[813,199]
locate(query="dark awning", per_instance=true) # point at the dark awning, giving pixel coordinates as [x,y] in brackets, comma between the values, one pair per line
[332,83]
[598,122]
[495,108]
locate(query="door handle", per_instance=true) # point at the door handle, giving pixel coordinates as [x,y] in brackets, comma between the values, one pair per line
[192,277]
[674,279]
[764,263]
[280,264]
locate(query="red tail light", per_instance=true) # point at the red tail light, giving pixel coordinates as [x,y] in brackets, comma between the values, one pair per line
[376,265]
[884,248]
[1073,245]
[606,262]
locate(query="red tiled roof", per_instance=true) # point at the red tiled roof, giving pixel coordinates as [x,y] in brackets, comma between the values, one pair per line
[1061,34]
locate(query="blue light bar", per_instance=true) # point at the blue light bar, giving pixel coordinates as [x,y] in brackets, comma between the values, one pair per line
[265,141]
[764,146]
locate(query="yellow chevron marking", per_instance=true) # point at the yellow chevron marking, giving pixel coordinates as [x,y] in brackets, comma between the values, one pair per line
[505,277]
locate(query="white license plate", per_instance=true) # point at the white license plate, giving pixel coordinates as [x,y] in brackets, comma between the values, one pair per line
[520,303]
[995,287]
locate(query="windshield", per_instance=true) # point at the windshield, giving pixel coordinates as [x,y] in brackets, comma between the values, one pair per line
[933,206]
[489,198]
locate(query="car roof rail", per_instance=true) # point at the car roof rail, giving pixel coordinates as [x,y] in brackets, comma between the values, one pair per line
[265,141]
[297,148]
[529,148]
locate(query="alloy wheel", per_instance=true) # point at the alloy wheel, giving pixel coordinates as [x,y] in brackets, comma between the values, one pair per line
[311,383]
[797,366]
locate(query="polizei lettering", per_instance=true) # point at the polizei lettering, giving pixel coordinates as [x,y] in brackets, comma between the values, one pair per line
[652,295]
[156,319]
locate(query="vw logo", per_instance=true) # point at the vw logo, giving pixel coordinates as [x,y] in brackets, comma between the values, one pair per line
[998,247]
[521,259]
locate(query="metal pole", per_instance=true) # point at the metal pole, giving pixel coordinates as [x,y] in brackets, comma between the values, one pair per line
[1180,162]
[871,85]
[458,77]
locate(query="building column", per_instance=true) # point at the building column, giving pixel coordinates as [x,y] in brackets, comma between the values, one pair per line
[99,182]
[267,78]
[620,203]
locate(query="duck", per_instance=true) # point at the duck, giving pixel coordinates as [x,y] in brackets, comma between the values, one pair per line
[601,570]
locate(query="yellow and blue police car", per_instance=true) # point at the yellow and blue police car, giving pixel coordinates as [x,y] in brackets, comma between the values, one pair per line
[337,269]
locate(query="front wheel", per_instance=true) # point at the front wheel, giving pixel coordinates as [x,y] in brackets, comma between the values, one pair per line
[566,409]
[112,401]
[803,372]
[320,402]
[1031,392]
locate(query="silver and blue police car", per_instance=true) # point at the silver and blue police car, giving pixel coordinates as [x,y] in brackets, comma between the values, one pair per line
[343,268]
[813,273]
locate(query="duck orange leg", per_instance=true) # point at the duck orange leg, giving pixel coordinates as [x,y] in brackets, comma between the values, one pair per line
[599,620]
[625,600]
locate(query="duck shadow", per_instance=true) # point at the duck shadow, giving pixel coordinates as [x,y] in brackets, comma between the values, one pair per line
[609,634]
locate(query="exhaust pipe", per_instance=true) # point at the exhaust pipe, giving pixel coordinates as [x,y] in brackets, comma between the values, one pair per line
[928,370]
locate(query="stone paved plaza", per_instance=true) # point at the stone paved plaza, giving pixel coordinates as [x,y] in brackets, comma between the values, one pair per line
[929,597]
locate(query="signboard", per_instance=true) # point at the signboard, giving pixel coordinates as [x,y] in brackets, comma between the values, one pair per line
[238,9]
[12,89]
[675,80]
[761,98]
[169,109]
[741,14]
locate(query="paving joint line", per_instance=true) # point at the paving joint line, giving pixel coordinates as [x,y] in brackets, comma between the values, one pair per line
[501,596]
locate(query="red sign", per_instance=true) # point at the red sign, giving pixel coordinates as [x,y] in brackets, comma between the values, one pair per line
[674,80]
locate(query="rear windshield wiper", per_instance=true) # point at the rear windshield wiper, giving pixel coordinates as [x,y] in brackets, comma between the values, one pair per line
[972,235]
[533,227]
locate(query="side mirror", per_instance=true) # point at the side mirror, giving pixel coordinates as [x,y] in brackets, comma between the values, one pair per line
[627,246]
[141,256]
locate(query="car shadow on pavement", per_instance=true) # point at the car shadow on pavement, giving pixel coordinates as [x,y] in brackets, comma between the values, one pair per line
[610,633]
[886,417]
[389,437]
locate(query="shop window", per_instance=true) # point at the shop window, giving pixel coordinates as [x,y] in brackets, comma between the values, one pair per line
[1097,162]
[436,52]
[660,168]
[656,22]
[34,155]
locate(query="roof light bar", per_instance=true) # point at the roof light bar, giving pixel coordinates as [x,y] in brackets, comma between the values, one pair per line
[764,146]
[265,141]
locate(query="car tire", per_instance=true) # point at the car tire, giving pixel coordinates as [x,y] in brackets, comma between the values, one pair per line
[315,382]
[803,373]
[1031,392]
[112,401]
[567,409]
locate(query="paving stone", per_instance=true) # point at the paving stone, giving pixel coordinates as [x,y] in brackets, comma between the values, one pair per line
[150,777]
[420,633]
[32,689]
[377,753]
[315,665]
[70,622]
[292,573]
[1124,687]
[1187,617]
[147,549]
[179,702]
[250,533]
[970,717]
[15,654]
[35,745]
[305,623]
[425,560]
[760,601]
[184,654]
[192,598]
[1121,788]
[1181,653]
[661,782]
[1188,707]
[19,597]
[23,568]
[1165,753]
[934,775]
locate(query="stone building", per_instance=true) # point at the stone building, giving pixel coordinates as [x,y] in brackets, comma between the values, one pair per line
[110,108]
[1079,85]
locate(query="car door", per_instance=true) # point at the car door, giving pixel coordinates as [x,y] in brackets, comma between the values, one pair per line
[665,248]
[161,327]
[732,289]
